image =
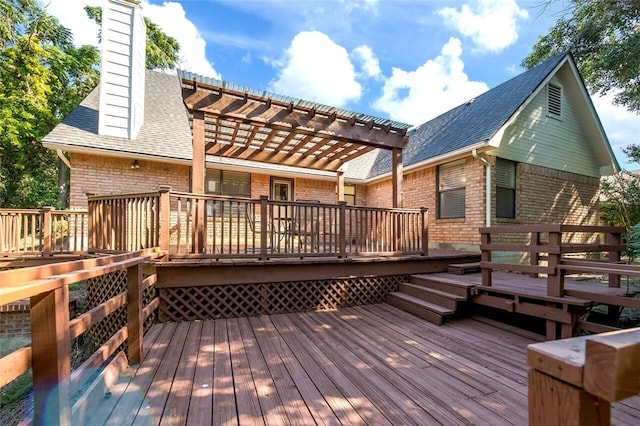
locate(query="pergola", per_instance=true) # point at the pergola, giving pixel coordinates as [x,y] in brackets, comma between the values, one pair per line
[232,121]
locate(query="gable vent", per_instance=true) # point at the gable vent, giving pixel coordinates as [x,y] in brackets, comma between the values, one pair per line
[554,98]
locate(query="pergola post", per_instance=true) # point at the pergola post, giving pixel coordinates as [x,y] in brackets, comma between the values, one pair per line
[340,191]
[396,177]
[197,180]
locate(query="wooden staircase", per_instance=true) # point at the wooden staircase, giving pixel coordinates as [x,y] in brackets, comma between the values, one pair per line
[432,298]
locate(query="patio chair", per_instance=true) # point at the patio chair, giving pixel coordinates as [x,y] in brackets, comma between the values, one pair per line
[306,224]
[255,228]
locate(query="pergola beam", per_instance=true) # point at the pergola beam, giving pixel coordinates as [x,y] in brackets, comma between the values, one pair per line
[244,125]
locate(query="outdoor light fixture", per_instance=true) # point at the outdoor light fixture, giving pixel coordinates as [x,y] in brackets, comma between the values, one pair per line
[135,165]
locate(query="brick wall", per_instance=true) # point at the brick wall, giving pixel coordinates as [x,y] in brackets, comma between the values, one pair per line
[542,196]
[15,320]
[554,196]
[110,175]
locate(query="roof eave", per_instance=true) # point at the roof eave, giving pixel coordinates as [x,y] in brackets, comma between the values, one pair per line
[430,162]
[117,154]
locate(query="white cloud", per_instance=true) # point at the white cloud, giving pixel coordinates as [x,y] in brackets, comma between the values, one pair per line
[621,126]
[315,68]
[491,24]
[435,87]
[85,31]
[364,5]
[170,17]
[368,60]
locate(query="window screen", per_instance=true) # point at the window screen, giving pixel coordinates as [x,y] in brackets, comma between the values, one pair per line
[451,190]
[505,189]
[225,182]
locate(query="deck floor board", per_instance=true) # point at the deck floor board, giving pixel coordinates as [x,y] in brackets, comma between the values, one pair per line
[363,365]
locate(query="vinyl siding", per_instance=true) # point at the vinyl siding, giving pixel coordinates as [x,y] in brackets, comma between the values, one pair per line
[122,77]
[536,137]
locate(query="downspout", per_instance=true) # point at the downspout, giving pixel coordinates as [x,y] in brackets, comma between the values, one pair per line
[487,166]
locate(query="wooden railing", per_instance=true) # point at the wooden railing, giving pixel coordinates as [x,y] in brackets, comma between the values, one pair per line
[42,232]
[189,225]
[547,247]
[574,381]
[54,383]
[121,223]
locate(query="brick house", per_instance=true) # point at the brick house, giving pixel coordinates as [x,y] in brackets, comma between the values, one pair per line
[531,150]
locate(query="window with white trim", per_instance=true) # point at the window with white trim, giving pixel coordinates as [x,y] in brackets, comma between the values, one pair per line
[451,190]
[554,100]
[350,194]
[505,189]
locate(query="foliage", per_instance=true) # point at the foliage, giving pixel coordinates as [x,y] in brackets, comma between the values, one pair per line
[620,204]
[161,49]
[43,78]
[604,38]
[632,239]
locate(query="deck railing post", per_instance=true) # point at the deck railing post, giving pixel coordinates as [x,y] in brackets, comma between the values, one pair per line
[555,277]
[424,212]
[165,210]
[614,238]
[342,229]
[134,314]
[485,256]
[91,222]
[263,227]
[534,259]
[46,230]
[51,358]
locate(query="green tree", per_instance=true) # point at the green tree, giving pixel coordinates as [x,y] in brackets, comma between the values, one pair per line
[604,38]
[161,50]
[620,194]
[42,78]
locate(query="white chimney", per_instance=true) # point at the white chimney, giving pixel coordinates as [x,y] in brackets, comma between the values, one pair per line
[122,70]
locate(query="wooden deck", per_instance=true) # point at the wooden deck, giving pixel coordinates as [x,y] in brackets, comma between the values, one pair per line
[364,365]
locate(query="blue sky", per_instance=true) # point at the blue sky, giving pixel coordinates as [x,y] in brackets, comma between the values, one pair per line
[407,60]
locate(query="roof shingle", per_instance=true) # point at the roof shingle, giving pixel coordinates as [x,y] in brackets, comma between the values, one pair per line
[471,123]
[165,132]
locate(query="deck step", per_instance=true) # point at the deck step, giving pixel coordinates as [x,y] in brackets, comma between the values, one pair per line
[464,268]
[441,298]
[421,308]
[442,283]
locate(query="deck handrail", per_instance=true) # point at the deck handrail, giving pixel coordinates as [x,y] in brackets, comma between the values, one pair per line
[575,380]
[547,255]
[49,355]
[209,226]
[43,232]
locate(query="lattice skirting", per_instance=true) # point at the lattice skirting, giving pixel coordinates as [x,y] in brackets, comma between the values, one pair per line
[242,300]
[103,288]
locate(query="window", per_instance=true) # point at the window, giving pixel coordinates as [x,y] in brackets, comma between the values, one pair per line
[281,189]
[451,190]
[350,194]
[226,182]
[554,100]
[505,189]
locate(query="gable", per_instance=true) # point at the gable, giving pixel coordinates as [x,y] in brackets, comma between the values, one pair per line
[557,129]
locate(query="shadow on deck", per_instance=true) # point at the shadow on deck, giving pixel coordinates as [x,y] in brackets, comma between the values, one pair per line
[364,365]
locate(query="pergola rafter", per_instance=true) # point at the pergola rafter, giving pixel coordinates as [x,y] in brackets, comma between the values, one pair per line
[260,126]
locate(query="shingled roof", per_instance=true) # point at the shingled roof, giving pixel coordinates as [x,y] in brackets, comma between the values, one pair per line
[471,123]
[164,134]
